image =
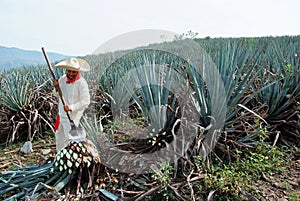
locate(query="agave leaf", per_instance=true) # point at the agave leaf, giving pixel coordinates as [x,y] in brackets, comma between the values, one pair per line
[62,182]
[16,92]
[109,195]
[282,64]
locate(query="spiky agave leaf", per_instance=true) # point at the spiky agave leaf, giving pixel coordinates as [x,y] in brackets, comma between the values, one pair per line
[58,173]
[17,180]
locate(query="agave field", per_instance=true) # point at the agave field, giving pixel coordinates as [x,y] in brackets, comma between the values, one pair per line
[201,119]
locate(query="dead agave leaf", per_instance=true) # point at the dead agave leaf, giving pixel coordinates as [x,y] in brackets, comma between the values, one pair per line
[45,151]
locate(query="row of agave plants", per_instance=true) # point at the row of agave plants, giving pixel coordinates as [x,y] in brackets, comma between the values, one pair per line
[250,85]
[269,87]
[260,79]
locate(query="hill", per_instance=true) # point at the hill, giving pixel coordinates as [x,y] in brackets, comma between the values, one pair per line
[11,57]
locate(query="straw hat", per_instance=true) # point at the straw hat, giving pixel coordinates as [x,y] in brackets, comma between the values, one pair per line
[74,64]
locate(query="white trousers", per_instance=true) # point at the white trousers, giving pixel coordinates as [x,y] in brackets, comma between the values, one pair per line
[62,135]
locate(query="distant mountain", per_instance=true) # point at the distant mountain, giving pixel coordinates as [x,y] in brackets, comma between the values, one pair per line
[11,57]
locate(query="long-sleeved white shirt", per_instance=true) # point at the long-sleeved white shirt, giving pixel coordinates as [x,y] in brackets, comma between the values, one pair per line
[76,95]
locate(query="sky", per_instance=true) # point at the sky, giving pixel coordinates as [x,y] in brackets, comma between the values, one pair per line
[79,27]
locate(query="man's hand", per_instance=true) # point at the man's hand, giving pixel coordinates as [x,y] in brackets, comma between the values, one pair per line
[67,108]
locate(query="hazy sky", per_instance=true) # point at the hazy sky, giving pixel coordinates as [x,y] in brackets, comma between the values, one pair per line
[78,27]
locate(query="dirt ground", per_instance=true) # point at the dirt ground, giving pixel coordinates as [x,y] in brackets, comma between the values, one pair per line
[282,187]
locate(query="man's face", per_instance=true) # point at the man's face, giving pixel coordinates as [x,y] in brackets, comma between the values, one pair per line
[71,74]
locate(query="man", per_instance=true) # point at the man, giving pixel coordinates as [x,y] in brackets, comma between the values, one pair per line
[75,92]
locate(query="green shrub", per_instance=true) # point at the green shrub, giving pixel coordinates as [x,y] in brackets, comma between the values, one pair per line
[228,178]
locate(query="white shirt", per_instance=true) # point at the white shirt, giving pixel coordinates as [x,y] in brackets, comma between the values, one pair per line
[76,95]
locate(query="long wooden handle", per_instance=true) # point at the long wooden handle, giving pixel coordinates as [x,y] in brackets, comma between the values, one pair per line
[58,88]
[48,62]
